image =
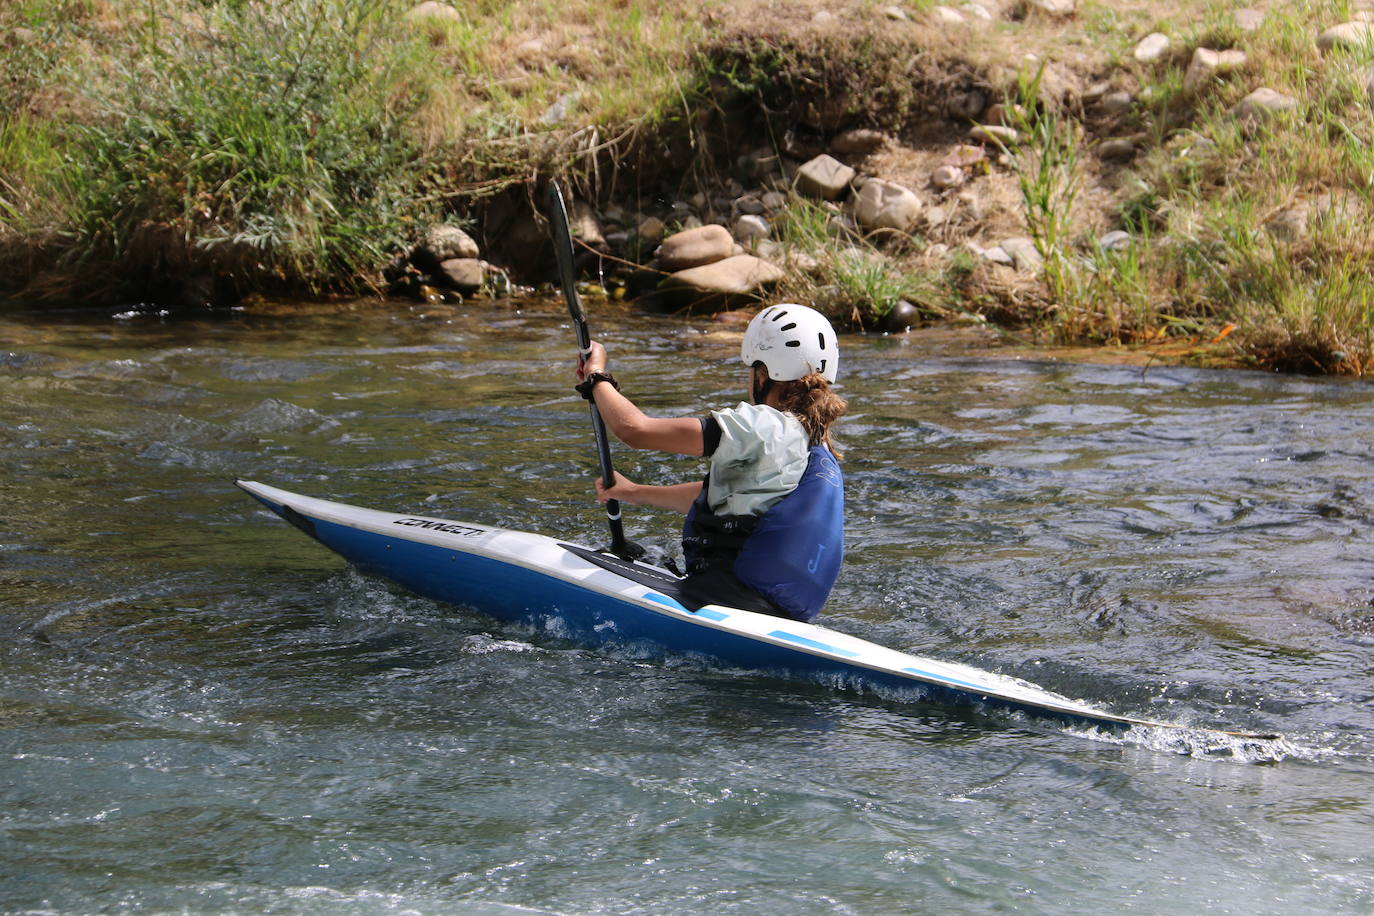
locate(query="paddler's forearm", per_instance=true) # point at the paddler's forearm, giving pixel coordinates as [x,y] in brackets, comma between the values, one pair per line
[629,424]
[677,496]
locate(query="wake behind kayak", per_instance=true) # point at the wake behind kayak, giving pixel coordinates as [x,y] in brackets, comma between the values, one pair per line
[598,599]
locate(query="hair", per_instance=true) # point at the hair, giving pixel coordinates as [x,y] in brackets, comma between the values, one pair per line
[812,401]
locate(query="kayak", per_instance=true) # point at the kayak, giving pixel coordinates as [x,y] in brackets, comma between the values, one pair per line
[593,597]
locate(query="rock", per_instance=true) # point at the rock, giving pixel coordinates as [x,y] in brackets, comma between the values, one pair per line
[1151,48]
[1023,254]
[860,141]
[1005,115]
[1201,68]
[896,14]
[823,17]
[695,247]
[1207,64]
[1349,36]
[965,156]
[1095,92]
[773,201]
[1262,104]
[749,204]
[947,176]
[750,228]
[1289,224]
[1116,240]
[1117,103]
[584,225]
[977,11]
[1248,20]
[886,205]
[998,255]
[431,12]
[967,106]
[462,274]
[740,276]
[994,134]
[947,16]
[760,163]
[824,177]
[1055,7]
[1231,61]
[901,317]
[1118,148]
[651,230]
[936,216]
[443,243]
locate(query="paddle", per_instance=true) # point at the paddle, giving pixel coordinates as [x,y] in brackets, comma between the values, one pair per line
[563,248]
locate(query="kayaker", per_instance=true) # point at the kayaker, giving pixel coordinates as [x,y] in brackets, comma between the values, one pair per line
[764,530]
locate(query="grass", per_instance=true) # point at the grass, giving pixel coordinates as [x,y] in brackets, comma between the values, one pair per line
[293,146]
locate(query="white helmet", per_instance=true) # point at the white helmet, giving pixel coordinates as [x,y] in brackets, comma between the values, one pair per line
[792,341]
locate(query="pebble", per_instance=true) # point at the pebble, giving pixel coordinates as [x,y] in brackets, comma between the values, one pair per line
[1263,103]
[994,133]
[1151,48]
[1117,103]
[750,228]
[1116,240]
[1118,148]
[947,176]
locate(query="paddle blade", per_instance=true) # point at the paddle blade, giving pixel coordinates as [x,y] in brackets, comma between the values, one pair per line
[563,250]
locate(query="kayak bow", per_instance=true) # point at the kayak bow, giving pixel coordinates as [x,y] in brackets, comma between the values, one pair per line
[598,598]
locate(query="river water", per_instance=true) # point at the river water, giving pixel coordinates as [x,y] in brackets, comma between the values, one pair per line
[205,712]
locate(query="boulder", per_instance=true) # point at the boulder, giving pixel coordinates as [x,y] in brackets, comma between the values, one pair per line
[742,276]
[1248,20]
[695,247]
[462,274]
[443,243]
[886,205]
[824,177]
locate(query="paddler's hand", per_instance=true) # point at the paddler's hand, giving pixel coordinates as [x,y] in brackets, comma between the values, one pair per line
[623,490]
[595,361]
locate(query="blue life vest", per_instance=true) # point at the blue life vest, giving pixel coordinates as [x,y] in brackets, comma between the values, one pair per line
[792,553]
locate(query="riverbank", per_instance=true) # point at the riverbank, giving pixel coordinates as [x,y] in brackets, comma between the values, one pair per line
[1105,174]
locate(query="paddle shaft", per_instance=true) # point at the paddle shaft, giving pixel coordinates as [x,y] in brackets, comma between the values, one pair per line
[562,243]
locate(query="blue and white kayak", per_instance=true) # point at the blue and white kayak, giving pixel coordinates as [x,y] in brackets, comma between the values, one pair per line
[596,598]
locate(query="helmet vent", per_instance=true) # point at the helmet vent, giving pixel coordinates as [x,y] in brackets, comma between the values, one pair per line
[788,327]
[792,343]
[821,338]
[780,315]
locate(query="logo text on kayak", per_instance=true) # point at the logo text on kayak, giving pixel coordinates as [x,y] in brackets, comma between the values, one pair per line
[446,527]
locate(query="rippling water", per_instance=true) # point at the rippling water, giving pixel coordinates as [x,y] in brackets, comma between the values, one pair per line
[205,712]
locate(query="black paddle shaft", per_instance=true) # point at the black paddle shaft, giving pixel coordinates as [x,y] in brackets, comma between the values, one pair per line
[563,249]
